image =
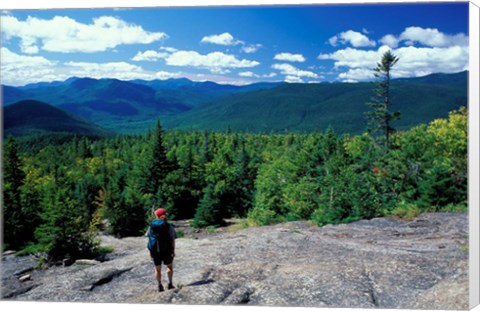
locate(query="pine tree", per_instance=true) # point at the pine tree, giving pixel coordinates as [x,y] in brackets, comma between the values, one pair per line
[158,166]
[244,184]
[206,151]
[84,148]
[64,231]
[115,202]
[13,178]
[209,211]
[380,117]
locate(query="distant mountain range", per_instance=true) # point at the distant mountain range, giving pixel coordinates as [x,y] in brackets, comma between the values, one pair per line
[30,117]
[125,106]
[134,106]
[310,107]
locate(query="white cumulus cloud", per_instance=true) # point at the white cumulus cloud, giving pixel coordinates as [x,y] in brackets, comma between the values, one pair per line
[293,79]
[221,39]
[168,49]
[164,75]
[66,35]
[23,69]
[149,55]
[17,70]
[430,37]
[355,58]
[390,40]
[421,51]
[433,37]
[251,48]
[249,74]
[356,74]
[153,56]
[216,62]
[227,39]
[413,61]
[356,39]
[115,70]
[294,74]
[290,57]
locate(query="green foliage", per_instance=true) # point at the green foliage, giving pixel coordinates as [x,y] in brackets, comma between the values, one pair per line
[454,208]
[301,199]
[273,180]
[180,233]
[404,210]
[304,108]
[105,250]
[30,249]
[158,166]
[380,116]
[129,107]
[209,211]
[125,207]
[48,119]
[16,222]
[64,193]
[64,231]
[211,229]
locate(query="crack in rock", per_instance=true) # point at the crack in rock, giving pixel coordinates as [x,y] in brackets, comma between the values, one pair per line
[240,295]
[201,282]
[19,291]
[371,289]
[107,278]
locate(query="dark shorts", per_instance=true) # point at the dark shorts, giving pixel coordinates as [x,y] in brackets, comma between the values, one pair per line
[158,258]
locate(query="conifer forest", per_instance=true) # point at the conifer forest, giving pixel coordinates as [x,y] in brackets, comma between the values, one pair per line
[61,190]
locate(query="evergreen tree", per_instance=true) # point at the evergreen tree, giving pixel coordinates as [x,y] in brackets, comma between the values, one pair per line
[64,231]
[244,186]
[183,185]
[84,196]
[114,202]
[84,148]
[206,151]
[209,211]
[13,178]
[135,211]
[380,117]
[158,166]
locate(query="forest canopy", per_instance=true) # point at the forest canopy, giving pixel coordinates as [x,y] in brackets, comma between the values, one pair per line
[58,195]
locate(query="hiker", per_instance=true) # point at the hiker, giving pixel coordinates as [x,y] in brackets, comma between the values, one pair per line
[161,244]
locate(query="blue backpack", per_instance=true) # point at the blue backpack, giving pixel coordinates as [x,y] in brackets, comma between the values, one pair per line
[159,239]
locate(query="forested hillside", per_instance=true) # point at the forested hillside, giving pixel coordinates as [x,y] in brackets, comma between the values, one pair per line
[315,107]
[132,107]
[29,117]
[56,198]
[124,106]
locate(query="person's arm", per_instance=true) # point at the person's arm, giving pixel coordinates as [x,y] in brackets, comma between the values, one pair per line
[173,235]
[148,232]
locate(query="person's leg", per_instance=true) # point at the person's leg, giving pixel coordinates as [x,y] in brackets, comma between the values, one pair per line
[158,277]
[170,275]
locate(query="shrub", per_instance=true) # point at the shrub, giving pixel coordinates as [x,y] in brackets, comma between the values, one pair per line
[404,210]
[180,233]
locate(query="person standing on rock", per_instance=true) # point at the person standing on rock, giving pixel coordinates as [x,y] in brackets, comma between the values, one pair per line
[161,245]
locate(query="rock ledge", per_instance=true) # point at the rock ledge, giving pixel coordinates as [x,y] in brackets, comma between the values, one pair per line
[383,262]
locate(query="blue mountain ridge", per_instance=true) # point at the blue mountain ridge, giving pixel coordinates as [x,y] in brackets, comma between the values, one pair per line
[134,106]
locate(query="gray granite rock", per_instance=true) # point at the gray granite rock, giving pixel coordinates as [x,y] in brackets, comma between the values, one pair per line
[383,262]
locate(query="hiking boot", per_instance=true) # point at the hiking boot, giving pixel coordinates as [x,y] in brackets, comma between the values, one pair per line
[160,288]
[170,286]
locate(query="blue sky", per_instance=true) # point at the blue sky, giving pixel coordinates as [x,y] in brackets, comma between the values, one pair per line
[235,45]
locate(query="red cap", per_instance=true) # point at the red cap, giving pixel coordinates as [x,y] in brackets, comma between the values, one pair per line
[160,212]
